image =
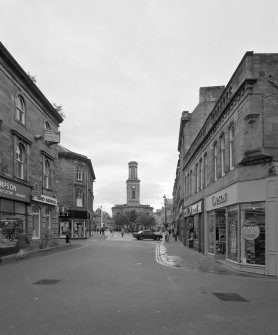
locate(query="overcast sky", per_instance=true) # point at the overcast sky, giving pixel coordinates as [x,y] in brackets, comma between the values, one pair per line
[124,70]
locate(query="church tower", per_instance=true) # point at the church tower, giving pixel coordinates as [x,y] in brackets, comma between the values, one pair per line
[133,185]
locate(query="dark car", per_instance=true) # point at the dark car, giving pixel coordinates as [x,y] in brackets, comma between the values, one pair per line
[147,234]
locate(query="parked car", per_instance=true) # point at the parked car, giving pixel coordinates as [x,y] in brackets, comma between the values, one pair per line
[147,234]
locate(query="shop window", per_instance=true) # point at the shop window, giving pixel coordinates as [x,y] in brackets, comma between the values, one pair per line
[20,109]
[211,231]
[79,198]
[12,221]
[46,174]
[252,218]
[36,222]
[231,147]
[220,231]
[222,154]
[232,239]
[20,160]
[79,172]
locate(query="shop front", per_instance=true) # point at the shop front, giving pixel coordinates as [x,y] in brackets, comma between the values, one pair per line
[76,223]
[194,227]
[14,201]
[235,226]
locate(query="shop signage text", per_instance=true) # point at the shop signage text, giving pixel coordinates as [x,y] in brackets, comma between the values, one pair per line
[193,209]
[14,191]
[52,136]
[220,199]
[250,231]
[46,199]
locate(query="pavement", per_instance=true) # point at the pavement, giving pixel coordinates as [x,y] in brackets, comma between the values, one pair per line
[175,254]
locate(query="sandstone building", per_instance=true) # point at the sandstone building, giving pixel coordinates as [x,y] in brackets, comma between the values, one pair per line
[75,194]
[226,186]
[133,198]
[29,127]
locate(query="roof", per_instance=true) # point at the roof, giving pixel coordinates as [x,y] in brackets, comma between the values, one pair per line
[68,154]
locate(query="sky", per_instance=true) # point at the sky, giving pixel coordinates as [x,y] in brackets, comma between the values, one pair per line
[124,70]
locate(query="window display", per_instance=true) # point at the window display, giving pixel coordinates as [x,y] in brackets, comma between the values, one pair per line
[211,232]
[252,216]
[232,241]
[220,232]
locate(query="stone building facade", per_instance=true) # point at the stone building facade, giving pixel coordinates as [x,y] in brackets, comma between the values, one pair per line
[29,127]
[133,199]
[226,187]
[75,194]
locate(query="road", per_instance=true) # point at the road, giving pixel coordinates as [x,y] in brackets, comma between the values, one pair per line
[117,286]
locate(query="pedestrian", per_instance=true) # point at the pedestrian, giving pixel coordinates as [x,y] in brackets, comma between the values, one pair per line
[122,232]
[166,235]
[22,243]
[67,238]
[176,235]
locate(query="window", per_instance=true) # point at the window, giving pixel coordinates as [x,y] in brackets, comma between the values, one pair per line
[190,183]
[46,125]
[20,160]
[79,172]
[205,170]
[48,217]
[222,154]
[231,147]
[215,161]
[201,174]
[36,222]
[79,198]
[197,178]
[20,109]
[252,218]
[46,174]
[133,192]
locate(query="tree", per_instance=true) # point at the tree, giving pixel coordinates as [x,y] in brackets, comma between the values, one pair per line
[120,220]
[59,109]
[147,221]
[132,216]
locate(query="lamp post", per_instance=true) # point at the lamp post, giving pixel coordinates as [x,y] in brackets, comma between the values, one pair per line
[165,211]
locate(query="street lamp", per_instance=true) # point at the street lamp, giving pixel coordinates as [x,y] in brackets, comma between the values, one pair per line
[165,211]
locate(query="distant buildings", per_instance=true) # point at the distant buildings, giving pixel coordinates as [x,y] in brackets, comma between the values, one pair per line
[225,191]
[142,213]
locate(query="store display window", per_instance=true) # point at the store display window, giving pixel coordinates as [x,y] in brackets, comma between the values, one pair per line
[252,219]
[211,231]
[232,239]
[220,231]
[12,220]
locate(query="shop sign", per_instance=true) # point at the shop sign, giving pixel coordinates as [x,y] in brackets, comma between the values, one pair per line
[52,136]
[14,191]
[250,230]
[193,209]
[220,199]
[45,199]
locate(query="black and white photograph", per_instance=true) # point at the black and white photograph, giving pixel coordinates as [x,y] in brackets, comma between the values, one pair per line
[138,167]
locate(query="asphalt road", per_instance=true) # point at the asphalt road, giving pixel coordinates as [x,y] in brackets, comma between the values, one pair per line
[116,286]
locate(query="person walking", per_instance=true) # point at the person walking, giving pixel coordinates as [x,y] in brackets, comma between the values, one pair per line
[122,232]
[22,244]
[67,239]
